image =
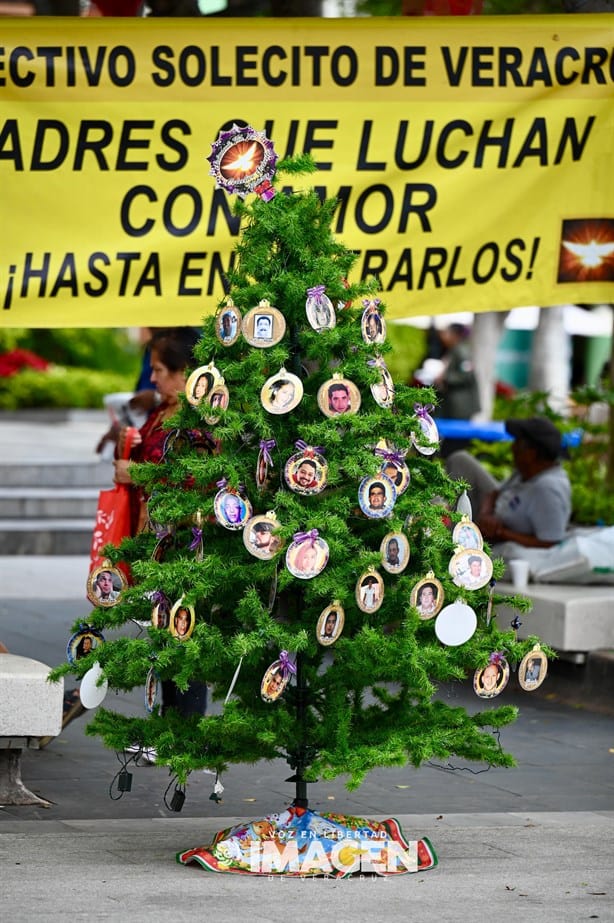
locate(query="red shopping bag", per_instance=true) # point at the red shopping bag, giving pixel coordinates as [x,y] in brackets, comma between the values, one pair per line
[112,516]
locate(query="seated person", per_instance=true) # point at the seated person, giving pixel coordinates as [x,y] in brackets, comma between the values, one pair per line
[532,507]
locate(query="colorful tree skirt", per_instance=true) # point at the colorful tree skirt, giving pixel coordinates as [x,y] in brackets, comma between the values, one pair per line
[300,842]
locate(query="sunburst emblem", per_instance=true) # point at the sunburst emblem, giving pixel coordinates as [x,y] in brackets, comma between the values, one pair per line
[243,161]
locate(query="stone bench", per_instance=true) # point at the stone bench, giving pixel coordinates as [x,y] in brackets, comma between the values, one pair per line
[571,618]
[30,708]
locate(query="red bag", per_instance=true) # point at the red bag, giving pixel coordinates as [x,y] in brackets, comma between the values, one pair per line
[112,517]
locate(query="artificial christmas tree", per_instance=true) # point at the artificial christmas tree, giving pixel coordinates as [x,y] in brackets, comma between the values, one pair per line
[314,557]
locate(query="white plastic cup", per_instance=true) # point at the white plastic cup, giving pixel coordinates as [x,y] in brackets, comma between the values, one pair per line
[519,571]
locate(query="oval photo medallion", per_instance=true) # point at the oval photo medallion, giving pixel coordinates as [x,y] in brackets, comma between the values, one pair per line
[263,326]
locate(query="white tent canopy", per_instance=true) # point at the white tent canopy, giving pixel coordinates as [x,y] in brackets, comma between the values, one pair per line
[578,322]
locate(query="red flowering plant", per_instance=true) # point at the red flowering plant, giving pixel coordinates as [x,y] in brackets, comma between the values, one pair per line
[15,360]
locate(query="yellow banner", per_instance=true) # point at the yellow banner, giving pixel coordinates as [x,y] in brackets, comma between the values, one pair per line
[472,158]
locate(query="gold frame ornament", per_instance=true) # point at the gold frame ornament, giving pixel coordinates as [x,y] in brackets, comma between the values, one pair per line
[276,396]
[316,462]
[404,552]
[274,674]
[322,634]
[208,374]
[230,311]
[383,391]
[106,598]
[221,394]
[176,611]
[320,312]
[415,598]
[75,649]
[260,525]
[491,680]
[462,568]
[465,532]
[334,385]
[532,669]
[367,599]
[263,326]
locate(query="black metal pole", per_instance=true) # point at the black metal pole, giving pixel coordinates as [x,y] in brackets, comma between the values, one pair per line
[300,798]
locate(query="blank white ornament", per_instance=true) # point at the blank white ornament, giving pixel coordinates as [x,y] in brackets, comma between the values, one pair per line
[455,624]
[90,693]
[463,505]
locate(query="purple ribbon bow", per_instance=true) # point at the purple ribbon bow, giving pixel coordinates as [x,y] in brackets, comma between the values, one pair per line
[159,598]
[163,533]
[197,538]
[221,483]
[285,664]
[367,302]
[265,447]
[306,536]
[396,457]
[497,657]
[423,410]
[313,449]
[316,293]
[374,363]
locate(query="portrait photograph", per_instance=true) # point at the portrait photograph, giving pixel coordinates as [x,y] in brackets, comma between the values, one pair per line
[259,537]
[228,325]
[428,434]
[427,597]
[274,682]
[330,624]
[338,396]
[182,621]
[471,570]
[83,642]
[383,390]
[306,472]
[307,559]
[200,383]
[161,614]
[467,535]
[231,510]
[373,325]
[281,393]
[218,398]
[377,496]
[320,312]
[153,690]
[369,591]
[398,473]
[491,679]
[532,670]
[263,326]
[395,552]
[105,586]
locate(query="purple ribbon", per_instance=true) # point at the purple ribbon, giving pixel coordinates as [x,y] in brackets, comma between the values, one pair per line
[265,447]
[316,292]
[163,533]
[367,302]
[285,664]
[306,536]
[373,363]
[221,483]
[159,598]
[516,623]
[311,450]
[396,457]
[497,657]
[197,538]
[423,410]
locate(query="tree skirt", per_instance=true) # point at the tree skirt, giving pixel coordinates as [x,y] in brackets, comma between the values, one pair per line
[299,842]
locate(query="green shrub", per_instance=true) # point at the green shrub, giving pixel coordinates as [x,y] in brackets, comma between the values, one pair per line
[61,387]
[94,348]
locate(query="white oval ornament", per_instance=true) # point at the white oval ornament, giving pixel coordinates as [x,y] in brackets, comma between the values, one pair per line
[456,624]
[90,693]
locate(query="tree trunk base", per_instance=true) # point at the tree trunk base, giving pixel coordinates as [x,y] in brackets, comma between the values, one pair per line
[12,789]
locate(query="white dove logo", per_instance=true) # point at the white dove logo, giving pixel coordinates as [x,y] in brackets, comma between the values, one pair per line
[591,254]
